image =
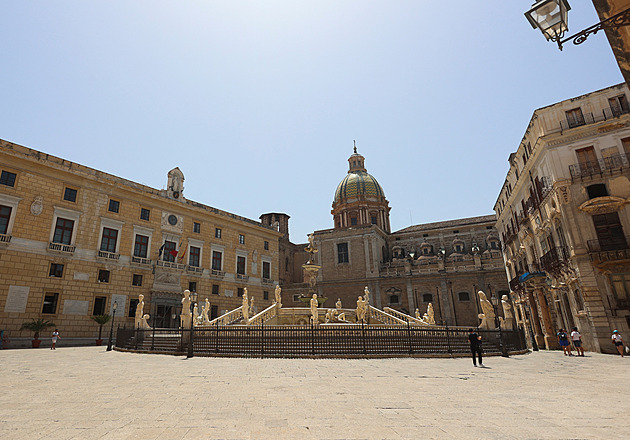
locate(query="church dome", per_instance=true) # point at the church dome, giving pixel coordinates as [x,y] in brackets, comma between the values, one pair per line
[358,183]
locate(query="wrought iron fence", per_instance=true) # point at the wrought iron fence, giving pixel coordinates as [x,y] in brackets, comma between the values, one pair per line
[325,341]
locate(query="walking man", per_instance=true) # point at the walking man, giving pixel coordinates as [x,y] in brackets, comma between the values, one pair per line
[475,347]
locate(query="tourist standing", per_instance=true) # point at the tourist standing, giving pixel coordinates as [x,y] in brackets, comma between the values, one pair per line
[576,337]
[618,341]
[475,347]
[563,340]
[55,337]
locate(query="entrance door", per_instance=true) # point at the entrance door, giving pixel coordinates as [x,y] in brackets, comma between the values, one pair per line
[163,316]
[609,232]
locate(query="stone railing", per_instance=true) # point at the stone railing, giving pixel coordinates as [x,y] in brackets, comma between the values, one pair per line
[264,316]
[407,318]
[217,273]
[228,318]
[383,317]
[171,264]
[108,255]
[140,260]
[61,248]
[240,277]
[267,281]
[194,269]
[4,238]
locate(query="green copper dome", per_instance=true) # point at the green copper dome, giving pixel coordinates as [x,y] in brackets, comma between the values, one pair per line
[358,183]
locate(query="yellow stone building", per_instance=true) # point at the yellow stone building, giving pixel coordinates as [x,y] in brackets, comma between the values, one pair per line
[74,240]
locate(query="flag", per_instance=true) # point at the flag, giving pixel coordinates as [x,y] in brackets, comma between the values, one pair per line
[173,253]
[181,257]
[161,249]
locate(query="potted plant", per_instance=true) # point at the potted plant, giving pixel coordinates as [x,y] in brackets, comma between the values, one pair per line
[101,320]
[36,326]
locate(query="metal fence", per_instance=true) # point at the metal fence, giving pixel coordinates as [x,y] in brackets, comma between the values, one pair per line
[329,341]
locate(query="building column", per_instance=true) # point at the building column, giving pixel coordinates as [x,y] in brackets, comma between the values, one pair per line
[410,301]
[538,333]
[447,303]
[550,335]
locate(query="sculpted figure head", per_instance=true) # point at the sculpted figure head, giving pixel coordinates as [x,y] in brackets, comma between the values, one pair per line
[482,296]
[504,297]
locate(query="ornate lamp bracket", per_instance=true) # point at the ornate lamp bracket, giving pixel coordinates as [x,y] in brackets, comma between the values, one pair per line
[614,22]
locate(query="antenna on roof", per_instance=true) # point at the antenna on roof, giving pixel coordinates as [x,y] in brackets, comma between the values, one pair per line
[355,146]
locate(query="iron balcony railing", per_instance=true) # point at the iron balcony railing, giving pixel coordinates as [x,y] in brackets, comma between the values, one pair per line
[607,165]
[555,259]
[612,244]
[592,118]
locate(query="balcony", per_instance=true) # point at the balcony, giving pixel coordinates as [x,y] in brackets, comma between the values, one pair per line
[61,248]
[171,264]
[217,273]
[515,284]
[241,277]
[108,255]
[267,281]
[608,165]
[194,269]
[554,260]
[610,249]
[5,239]
[141,261]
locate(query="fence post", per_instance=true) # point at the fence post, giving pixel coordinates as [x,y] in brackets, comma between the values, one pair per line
[313,338]
[448,340]
[153,337]
[137,337]
[262,339]
[363,334]
[216,342]
[409,337]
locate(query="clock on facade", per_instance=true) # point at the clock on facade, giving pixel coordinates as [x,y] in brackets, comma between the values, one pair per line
[172,219]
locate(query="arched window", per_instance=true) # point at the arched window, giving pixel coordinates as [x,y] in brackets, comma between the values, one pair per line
[464,296]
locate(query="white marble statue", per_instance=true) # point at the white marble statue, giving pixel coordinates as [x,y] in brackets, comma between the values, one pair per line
[251,306]
[430,315]
[196,315]
[361,310]
[245,308]
[507,321]
[487,317]
[418,314]
[338,304]
[141,318]
[314,311]
[278,294]
[204,311]
[186,315]
[366,296]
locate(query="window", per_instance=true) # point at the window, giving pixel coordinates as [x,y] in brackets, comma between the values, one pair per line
[266,245]
[214,312]
[393,299]
[192,286]
[619,105]
[217,233]
[464,296]
[241,239]
[103,276]
[169,253]
[108,241]
[50,303]
[5,215]
[353,221]
[194,257]
[240,291]
[133,305]
[56,270]
[575,118]
[145,214]
[70,195]
[215,289]
[373,220]
[427,298]
[265,295]
[63,231]
[114,205]
[141,246]
[99,305]
[266,270]
[196,227]
[136,280]
[7,178]
[216,260]
[494,244]
[240,265]
[342,253]
[609,232]
[597,190]
[579,303]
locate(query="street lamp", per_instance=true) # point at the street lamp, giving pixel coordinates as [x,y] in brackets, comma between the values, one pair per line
[111,330]
[551,17]
[193,298]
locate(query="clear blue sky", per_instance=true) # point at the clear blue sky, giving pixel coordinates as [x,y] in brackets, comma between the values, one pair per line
[258,102]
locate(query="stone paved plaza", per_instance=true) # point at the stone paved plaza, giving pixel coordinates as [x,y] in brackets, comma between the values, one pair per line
[88,393]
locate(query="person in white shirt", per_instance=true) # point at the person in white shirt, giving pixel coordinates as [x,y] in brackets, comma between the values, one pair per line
[618,341]
[576,338]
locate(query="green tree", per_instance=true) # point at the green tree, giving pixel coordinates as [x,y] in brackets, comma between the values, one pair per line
[36,326]
[101,320]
